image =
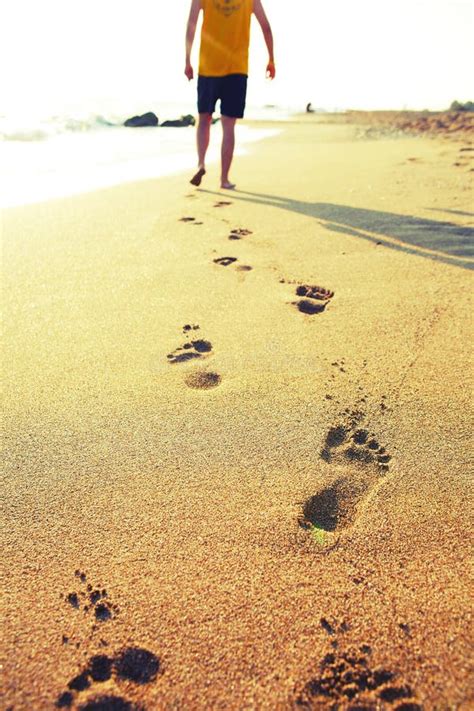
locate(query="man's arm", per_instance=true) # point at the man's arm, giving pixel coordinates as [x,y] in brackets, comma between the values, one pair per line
[259,13]
[190,32]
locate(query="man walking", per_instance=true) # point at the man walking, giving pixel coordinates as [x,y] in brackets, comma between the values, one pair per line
[223,69]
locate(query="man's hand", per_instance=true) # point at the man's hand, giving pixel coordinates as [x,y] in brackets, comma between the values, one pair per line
[190,32]
[259,13]
[270,70]
[189,71]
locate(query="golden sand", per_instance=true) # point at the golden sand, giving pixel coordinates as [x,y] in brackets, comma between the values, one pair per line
[237,490]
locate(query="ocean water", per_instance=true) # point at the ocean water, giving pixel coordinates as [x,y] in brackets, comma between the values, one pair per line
[45,157]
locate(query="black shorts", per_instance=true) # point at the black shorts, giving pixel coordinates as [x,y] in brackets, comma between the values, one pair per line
[231,90]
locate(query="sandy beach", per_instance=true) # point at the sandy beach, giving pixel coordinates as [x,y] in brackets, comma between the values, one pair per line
[238,434]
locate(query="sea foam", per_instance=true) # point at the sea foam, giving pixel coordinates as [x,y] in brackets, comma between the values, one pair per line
[69,158]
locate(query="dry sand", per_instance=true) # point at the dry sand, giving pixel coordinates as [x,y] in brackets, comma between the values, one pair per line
[283,519]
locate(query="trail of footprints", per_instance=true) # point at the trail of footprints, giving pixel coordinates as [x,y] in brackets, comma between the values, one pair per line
[312,300]
[333,509]
[93,687]
[346,679]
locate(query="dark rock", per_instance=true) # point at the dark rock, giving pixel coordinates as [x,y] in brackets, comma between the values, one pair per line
[184,121]
[148,119]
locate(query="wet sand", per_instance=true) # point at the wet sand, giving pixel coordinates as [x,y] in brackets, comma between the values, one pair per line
[237,444]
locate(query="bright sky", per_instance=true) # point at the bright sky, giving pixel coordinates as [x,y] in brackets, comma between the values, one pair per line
[334,53]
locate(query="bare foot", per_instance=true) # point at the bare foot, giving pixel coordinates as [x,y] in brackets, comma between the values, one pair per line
[196,179]
[225,185]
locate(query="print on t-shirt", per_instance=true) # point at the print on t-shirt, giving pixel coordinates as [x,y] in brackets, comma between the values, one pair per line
[228,7]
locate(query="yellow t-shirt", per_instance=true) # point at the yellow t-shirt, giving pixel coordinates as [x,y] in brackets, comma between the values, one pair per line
[225,37]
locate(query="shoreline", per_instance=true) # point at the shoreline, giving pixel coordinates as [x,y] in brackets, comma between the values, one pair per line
[89,175]
[79,163]
[285,506]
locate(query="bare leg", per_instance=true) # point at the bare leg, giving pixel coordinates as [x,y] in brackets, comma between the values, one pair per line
[202,137]
[227,152]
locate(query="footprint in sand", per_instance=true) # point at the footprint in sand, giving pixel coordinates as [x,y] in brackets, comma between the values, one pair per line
[203,380]
[227,261]
[239,232]
[91,599]
[335,507]
[191,350]
[222,203]
[191,220]
[347,679]
[314,299]
[244,268]
[134,665]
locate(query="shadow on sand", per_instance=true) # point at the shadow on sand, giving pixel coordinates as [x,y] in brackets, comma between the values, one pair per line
[443,241]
